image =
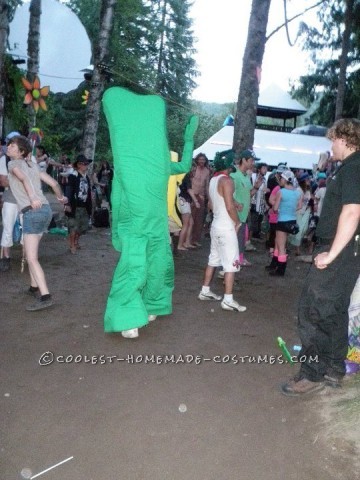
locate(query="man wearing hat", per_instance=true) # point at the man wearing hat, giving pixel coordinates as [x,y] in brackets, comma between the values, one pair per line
[9,210]
[224,250]
[258,203]
[79,208]
[244,189]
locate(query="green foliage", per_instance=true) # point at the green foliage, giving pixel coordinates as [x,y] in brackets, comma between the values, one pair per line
[135,62]
[320,86]
[15,114]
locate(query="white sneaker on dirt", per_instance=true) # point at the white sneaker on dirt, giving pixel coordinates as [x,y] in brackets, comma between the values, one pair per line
[208,296]
[132,333]
[234,306]
[249,247]
[151,318]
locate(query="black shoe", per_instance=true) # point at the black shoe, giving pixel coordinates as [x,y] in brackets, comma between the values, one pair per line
[333,378]
[279,271]
[5,264]
[32,292]
[39,305]
[273,265]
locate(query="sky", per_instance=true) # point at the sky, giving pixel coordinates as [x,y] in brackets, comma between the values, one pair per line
[221,26]
[64,44]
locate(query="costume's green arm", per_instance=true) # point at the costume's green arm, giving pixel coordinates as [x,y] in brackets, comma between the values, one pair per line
[186,159]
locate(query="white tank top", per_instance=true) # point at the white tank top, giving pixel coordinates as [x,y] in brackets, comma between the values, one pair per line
[221,220]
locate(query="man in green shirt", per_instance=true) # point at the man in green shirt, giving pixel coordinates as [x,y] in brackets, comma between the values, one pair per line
[244,189]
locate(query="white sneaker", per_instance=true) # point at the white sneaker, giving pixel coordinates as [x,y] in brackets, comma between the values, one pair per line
[208,296]
[221,274]
[249,247]
[234,306]
[151,318]
[132,333]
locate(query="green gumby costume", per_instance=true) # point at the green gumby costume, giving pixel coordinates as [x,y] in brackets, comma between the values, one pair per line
[144,277]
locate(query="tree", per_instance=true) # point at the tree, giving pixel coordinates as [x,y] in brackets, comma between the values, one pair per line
[348,21]
[34,40]
[175,65]
[245,118]
[7,9]
[33,51]
[4,28]
[335,48]
[98,78]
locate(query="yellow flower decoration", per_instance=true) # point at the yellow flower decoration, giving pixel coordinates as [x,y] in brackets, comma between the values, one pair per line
[34,94]
[85,97]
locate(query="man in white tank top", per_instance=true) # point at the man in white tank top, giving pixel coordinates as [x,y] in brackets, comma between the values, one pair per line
[224,249]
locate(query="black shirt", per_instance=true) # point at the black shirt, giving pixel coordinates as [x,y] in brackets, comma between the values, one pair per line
[342,189]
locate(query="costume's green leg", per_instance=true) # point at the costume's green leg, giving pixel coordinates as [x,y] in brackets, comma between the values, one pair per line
[125,308]
[157,294]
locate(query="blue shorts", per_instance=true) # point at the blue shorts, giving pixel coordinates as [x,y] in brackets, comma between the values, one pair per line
[37,221]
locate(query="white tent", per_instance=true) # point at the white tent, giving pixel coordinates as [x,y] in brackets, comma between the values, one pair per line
[299,151]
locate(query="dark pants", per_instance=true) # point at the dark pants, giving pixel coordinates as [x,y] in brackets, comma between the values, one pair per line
[272,235]
[255,223]
[323,314]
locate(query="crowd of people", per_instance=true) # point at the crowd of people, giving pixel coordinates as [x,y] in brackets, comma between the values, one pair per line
[35,172]
[237,201]
[261,196]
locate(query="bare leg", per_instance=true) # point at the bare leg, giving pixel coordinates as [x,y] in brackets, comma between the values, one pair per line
[208,275]
[189,233]
[76,240]
[280,242]
[229,278]
[31,245]
[184,231]
[72,238]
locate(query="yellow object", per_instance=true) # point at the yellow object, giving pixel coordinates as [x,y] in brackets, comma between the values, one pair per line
[174,182]
[354,355]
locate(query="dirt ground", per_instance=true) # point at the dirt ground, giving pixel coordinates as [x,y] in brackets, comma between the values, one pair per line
[133,418]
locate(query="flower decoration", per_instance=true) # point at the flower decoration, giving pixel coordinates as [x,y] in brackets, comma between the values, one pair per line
[36,135]
[34,94]
[85,97]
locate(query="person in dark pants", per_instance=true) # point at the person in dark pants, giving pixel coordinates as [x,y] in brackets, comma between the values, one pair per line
[79,206]
[323,307]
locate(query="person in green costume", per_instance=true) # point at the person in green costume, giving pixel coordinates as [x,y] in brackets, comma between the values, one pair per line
[143,280]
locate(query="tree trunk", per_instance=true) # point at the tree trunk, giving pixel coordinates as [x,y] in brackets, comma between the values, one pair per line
[33,50]
[245,118]
[34,40]
[98,79]
[161,48]
[4,30]
[345,45]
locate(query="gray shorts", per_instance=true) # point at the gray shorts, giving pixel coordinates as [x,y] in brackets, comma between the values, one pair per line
[79,223]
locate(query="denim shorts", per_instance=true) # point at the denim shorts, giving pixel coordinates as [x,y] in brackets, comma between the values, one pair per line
[37,221]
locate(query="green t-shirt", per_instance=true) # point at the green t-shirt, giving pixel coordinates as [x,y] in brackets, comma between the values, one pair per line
[242,193]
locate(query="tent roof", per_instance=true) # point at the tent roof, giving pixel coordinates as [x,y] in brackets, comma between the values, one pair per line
[276,103]
[299,151]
